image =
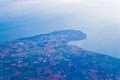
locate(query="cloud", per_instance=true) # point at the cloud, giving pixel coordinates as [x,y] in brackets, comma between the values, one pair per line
[105,8]
[91,12]
[98,18]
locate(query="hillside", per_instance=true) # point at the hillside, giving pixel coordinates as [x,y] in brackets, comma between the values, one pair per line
[49,57]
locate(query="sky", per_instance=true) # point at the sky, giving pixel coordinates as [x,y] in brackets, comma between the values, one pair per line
[99,19]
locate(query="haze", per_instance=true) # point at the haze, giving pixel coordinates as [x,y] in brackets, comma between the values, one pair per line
[99,19]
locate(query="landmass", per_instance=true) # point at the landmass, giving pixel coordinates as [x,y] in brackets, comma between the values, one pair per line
[49,57]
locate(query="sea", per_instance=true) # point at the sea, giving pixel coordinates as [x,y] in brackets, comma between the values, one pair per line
[99,20]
